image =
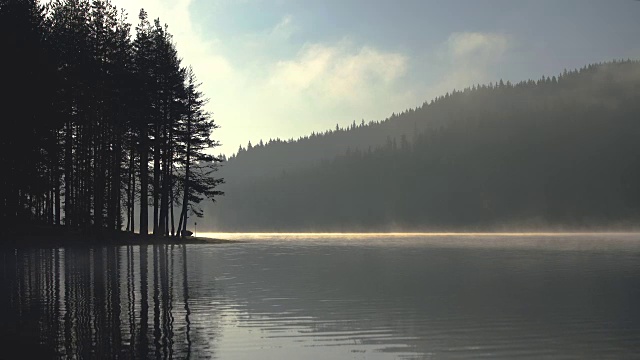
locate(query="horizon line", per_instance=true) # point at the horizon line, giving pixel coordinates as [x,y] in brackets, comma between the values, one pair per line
[377,234]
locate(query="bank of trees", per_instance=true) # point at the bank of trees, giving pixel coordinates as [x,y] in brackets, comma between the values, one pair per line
[102,123]
[560,151]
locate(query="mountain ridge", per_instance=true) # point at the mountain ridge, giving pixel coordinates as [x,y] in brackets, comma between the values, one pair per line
[491,119]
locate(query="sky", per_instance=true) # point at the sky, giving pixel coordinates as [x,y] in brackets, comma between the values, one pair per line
[285,68]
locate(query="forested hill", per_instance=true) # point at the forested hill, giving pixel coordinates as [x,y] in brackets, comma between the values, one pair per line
[559,151]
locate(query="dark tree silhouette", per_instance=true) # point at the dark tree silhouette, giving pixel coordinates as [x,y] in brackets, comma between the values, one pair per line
[100,107]
[198,179]
[28,155]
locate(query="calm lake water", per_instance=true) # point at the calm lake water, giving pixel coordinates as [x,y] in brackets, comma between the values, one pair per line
[343,296]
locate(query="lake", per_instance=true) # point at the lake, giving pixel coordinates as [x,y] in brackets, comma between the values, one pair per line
[319,296]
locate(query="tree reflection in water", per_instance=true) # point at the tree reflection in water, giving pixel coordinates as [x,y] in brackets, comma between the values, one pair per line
[85,302]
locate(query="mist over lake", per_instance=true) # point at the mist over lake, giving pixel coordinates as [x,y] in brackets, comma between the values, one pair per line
[318,296]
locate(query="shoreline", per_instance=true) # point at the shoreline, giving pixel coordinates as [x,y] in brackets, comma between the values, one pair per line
[48,237]
[62,239]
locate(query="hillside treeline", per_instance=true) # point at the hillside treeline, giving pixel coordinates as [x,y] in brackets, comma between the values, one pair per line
[562,151]
[98,121]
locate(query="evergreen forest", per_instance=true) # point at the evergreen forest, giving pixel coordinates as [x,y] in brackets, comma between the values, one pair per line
[102,122]
[560,152]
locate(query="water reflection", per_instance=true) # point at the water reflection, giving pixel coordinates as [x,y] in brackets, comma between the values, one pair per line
[125,302]
[316,298]
[354,299]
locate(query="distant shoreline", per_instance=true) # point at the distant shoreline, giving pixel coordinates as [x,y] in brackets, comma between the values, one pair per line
[426,233]
[47,237]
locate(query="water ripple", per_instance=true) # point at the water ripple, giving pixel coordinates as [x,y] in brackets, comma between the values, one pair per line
[305,296]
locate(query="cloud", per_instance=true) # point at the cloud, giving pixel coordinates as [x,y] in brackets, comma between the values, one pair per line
[470,58]
[321,85]
[266,44]
[284,28]
[474,46]
[338,73]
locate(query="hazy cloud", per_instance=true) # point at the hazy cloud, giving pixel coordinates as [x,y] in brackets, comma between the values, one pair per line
[284,28]
[469,58]
[338,72]
[473,46]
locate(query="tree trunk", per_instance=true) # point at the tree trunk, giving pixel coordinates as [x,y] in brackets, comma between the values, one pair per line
[115,183]
[68,166]
[144,182]
[173,223]
[164,205]
[56,182]
[185,201]
[130,190]
[156,179]
[133,199]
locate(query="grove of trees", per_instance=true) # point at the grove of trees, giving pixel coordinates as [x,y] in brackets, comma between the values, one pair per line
[101,123]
